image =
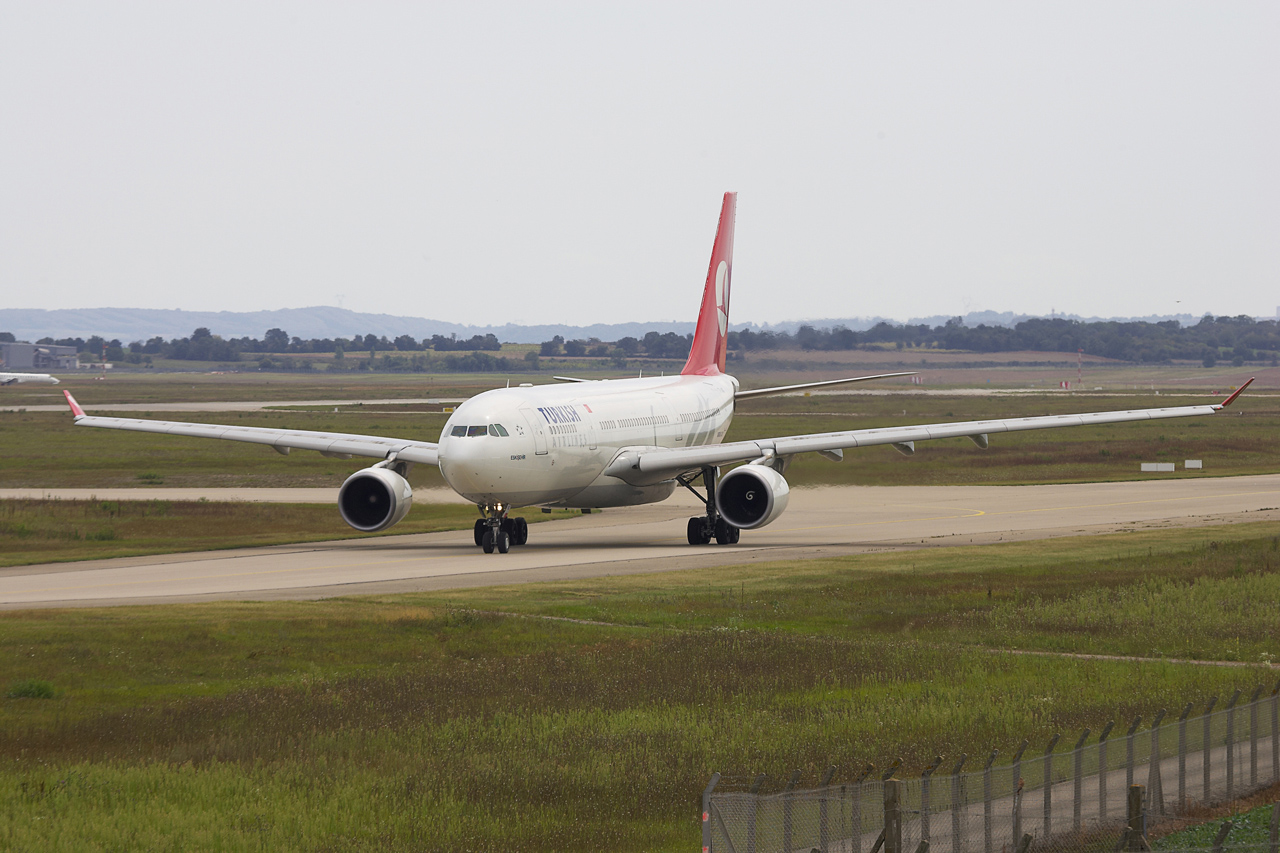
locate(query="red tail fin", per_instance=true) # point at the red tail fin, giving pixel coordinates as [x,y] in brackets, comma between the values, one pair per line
[706,356]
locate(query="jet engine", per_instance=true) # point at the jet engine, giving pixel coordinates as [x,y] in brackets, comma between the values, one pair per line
[751,496]
[374,499]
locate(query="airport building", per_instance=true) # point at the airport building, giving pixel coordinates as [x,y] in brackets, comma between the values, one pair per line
[21,356]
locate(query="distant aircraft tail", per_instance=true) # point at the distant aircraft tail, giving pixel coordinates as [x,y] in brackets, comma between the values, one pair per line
[706,356]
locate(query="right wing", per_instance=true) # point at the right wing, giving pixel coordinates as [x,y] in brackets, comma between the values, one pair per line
[646,465]
[334,444]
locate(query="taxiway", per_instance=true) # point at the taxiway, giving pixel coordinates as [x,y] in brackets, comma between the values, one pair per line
[820,522]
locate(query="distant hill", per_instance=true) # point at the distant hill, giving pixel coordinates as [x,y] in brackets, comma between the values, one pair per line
[139,324]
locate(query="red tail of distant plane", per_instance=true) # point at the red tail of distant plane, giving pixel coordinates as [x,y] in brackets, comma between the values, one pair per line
[706,356]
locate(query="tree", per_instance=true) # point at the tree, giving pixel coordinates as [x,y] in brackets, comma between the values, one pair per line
[531,360]
[276,340]
[406,343]
[552,347]
[8,338]
[575,348]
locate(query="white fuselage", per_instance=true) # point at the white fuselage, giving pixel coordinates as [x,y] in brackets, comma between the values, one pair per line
[32,378]
[560,438]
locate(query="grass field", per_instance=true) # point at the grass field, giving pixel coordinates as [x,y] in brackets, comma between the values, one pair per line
[44,450]
[471,721]
[48,531]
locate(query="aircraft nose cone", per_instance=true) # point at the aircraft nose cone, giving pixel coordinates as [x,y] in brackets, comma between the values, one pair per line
[469,465]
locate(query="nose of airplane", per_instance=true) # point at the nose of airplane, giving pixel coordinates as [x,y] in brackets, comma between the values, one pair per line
[476,466]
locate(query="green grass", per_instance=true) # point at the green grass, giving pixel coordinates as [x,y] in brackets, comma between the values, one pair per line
[46,531]
[1251,828]
[465,720]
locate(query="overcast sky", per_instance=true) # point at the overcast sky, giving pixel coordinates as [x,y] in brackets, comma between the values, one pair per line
[547,162]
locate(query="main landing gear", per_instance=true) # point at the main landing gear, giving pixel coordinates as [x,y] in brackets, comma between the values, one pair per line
[498,532]
[701,529]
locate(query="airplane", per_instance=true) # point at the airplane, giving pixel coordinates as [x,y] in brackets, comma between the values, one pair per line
[27,378]
[612,443]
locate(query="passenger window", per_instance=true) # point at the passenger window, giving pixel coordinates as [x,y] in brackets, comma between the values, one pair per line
[497,429]
[458,431]
[477,430]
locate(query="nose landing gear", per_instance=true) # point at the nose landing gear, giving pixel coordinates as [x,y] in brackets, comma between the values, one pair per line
[701,529]
[498,532]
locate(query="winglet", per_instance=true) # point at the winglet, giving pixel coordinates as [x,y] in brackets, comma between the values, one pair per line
[75,407]
[1236,393]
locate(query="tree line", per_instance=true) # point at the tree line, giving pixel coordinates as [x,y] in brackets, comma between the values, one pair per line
[1236,339]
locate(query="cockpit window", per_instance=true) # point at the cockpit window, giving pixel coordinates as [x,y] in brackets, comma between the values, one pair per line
[458,431]
[497,430]
[477,430]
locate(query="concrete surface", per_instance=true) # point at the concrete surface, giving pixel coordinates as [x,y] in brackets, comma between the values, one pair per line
[818,523]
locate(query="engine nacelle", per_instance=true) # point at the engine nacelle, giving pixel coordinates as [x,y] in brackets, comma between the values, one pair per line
[374,499]
[751,496]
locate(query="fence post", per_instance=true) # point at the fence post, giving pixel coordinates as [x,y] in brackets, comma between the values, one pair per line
[751,822]
[957,805]
[924,797]
[855,812]
[1275,732]
[824,831]
[1102,771]
[986,801]
[786,810]
[1017,790]
[1155,784]
[1135,836]
[1220,840]
[1208,748]
[892,817]
[1079,779]
[706,812]
[1182,759]
[1231,743]
[1128,746]
[1253,737]
[1048,785]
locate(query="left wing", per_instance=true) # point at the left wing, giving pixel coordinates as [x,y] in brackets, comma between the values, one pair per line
[786,389]
[647,465]
[334,444]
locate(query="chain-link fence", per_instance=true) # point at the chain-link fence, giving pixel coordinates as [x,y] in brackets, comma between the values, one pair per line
[1067,795]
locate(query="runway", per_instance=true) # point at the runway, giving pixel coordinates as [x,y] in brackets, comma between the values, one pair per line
[819,523]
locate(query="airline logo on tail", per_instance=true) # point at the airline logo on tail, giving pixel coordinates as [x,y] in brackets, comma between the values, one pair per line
[707,355]
[722,298]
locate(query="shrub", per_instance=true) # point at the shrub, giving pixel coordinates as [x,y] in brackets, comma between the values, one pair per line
[30,689]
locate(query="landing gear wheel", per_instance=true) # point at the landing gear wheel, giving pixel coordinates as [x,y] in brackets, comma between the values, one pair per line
[486,541]
[696,533]
[726,534]
[504,541]
[481,527]
[520,532]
